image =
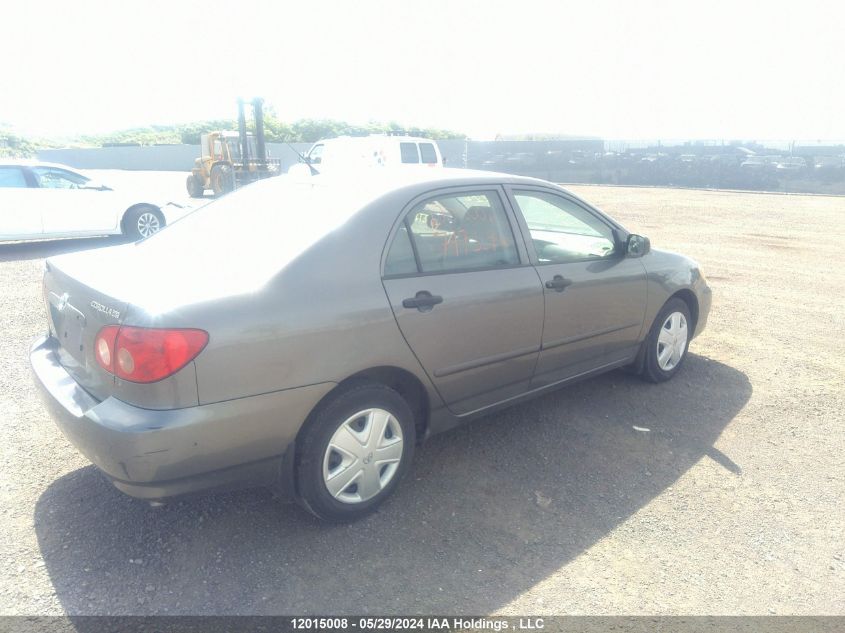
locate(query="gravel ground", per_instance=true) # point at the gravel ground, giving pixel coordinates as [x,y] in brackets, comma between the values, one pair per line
[730,504]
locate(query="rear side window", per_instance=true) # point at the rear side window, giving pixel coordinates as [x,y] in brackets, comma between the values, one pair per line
[52,178]
[464,232]
[427,153]
[409,152]
[400,258]
[12,177]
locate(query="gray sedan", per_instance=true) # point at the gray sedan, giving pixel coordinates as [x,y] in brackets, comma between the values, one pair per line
[308,334]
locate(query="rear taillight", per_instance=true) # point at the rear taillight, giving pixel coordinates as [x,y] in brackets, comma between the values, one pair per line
[142,354]
[104,346]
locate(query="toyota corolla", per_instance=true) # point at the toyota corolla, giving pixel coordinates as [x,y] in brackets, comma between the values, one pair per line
[308,334]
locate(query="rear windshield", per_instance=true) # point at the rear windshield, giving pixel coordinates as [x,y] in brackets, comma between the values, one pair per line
[12,177]
[258,229]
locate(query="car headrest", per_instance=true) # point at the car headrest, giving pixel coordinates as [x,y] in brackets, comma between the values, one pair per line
[478,222]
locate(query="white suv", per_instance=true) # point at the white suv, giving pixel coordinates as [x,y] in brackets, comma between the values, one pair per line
[359,152]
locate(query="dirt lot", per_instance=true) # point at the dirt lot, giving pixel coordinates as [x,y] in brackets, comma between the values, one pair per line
[730,504]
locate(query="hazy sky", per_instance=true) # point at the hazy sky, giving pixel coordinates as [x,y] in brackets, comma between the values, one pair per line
[626,69]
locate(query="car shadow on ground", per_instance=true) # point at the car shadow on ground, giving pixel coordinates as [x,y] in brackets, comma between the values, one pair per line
[18,251]
[486,512]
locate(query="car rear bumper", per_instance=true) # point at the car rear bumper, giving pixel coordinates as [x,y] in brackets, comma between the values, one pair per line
[155,454]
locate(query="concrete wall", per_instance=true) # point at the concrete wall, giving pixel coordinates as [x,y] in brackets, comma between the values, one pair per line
[181,157]
[150,158]
[155,157]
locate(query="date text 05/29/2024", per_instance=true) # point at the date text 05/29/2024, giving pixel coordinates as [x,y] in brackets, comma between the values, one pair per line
[416,624]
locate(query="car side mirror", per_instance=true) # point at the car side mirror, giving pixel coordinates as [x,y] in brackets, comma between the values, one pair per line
[637,246]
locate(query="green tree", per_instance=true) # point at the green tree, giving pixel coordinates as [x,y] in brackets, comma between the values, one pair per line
[275,129]
[14,146]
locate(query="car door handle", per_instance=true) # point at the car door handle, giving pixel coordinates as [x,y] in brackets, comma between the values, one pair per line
[558,283]
[423,301]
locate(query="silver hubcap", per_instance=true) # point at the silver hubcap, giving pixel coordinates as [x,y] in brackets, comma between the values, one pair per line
[363,456]
[672,341]
[148,224]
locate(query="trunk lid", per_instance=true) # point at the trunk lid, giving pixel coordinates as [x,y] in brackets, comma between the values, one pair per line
[76,311]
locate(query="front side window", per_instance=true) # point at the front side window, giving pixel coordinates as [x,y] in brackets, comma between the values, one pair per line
[12,177]
[315,156]
[51,178]
[409,152]
[234,146]
[468,231]
[563,231]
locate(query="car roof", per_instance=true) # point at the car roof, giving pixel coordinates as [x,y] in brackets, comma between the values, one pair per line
[380,181]
[31,162]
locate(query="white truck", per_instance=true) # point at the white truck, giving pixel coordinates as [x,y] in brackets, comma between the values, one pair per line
[346,153]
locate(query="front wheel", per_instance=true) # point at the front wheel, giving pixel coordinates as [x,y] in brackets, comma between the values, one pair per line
[194,186]
[142,222]
[222,179]
[668,341]
[354,452]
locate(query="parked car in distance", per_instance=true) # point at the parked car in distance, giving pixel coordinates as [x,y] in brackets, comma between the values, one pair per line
[351,153]
[793,163]
[346,327]
[829,162]
[755,163]
[46,200]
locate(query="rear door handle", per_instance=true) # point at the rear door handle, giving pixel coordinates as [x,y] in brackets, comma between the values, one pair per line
[558,283]
[423,301]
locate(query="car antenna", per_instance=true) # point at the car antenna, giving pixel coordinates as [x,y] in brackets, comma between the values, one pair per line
[304,159]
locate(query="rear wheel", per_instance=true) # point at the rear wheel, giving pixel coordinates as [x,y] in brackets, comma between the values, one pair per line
[194,186]
[222,179]
[668,341]
[354,452]
[142,222]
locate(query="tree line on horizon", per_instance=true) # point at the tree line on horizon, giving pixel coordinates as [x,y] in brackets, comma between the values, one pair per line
[275,130]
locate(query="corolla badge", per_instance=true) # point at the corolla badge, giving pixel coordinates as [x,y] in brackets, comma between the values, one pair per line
[99,307]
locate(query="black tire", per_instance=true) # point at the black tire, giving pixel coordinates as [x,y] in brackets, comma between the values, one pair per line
[652,370]
[312,491]
[222,179]
[194,186]
[137,218]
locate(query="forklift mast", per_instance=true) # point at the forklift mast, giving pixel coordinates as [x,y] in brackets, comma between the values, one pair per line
[233,166]
[258,114]
[242,133]
[260,146]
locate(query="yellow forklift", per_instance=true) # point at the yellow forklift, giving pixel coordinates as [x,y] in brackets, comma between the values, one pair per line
[232,159]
